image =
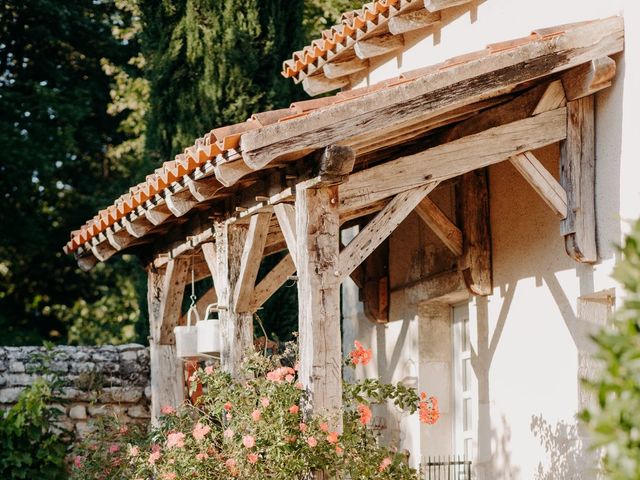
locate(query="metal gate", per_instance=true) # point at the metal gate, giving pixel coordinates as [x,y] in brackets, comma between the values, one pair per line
[446,468]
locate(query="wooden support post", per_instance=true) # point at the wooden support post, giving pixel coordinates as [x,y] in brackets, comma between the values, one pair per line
[167,383]
[577,176]
[318,229]
[236,328]
[475,262]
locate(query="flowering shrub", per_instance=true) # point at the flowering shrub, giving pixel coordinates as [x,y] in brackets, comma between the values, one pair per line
[257,429]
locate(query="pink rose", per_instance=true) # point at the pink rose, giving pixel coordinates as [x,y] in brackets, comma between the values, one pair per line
[113,448]
[294,409]
[265,402]
[228,433]
[252,458]
[332,437]
[339,450]
[248,441]
[255,415]
[227,406]
[78,461]
[200,431]
[169,476]
[324,426]
[303,427]
[134,451]
[154,457]
[208,370]
[167,410]
[175,440]
[384,464]
[312,441]
[202,456]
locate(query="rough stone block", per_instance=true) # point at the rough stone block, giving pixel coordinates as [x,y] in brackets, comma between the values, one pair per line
[10,395]
[102,410]
[83,429]
[18,379]
[78,412]
[129,356]
[59,367]
[147,392]
[16,367]
[121,395]
[83,367]
[138,411]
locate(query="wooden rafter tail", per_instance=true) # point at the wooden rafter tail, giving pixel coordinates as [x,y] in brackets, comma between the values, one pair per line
[589,78]
[378,46]
[180,203]
[437,5]
[412,21]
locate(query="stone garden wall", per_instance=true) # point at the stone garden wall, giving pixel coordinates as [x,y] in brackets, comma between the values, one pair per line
[96,381]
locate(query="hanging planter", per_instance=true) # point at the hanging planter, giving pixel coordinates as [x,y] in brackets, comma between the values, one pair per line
[209,333]
[187,336]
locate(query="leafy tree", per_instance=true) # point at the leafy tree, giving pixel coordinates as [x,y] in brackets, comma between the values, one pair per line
[60,132]
[322,14]
[615,421]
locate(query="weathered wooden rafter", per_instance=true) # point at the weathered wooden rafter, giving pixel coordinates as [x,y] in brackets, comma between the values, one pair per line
[439,223]
[408,22]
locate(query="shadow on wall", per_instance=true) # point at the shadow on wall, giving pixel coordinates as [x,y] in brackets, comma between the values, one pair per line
[566,451]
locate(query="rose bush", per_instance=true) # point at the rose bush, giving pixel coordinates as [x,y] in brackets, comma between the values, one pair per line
[257,429]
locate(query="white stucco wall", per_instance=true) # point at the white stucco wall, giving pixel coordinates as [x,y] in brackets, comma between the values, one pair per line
[530,336]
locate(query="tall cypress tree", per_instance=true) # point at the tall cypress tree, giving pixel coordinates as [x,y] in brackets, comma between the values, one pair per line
[213,63]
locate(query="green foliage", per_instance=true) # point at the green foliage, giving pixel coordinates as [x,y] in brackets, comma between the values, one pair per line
[322,14]
[28,448]
[212,64]
[615,423]
[255,429]
[63,135]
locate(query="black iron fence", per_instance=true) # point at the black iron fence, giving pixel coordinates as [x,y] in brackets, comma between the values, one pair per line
[446,468]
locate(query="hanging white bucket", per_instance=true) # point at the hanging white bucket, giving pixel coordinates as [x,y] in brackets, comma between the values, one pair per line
[209,333]
[187,336]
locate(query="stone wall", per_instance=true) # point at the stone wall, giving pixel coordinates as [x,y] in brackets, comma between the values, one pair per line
[96,381]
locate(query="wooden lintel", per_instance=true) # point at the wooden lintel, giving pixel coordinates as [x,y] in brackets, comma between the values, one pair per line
[440,224]
[335,163]
[473,209]
[379,228]
[542,182]
[408,22]
[250,261]
[589,78]
[175,279]
[437,5]
[333,70]
[378,46]
[272,282]
[286,215]
[317,84]
[577,176]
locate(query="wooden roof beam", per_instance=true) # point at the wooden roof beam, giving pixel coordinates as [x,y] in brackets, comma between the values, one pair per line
[589,78]
[335,70]
[436,93]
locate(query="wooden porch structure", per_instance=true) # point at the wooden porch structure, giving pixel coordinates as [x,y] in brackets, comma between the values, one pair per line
[368,160]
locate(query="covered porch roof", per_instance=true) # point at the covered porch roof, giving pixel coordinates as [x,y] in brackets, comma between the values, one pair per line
[234,171]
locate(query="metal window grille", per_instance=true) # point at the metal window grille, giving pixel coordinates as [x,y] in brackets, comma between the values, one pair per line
[446,468]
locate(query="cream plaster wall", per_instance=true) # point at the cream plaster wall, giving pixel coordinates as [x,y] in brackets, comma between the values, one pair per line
[531,336]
